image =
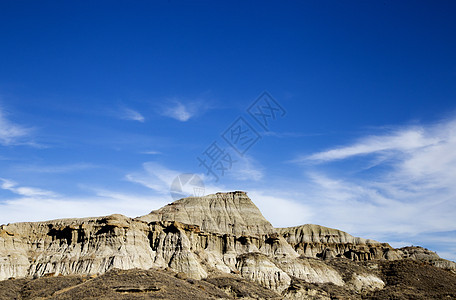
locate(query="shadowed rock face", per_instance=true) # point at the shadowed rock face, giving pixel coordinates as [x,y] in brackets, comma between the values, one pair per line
[199,237]
[317,241]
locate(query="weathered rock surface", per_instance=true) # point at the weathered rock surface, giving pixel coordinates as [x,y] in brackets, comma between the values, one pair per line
[258,268]
[406,279]
[74,246]
[310,270]
[232,224]
[318,241]
[231,213]
[422,254]
[223,233]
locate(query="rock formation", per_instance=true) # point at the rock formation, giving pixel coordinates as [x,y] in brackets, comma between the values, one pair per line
[200,237]
[317,241]
[225,213]
[422,254]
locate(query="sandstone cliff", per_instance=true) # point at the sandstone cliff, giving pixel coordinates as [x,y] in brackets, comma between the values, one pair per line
[199,237]
[230,213]
[317,241]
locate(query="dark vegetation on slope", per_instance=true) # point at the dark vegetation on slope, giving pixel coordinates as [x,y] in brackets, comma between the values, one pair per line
[405,279]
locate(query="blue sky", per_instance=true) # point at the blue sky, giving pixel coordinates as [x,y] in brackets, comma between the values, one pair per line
[104,103]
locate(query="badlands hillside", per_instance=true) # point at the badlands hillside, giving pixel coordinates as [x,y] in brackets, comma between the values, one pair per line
[213,247]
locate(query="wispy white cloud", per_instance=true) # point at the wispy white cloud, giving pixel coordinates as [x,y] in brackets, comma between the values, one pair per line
[179,112]
[29,209]
[10,133]
[36,204]
[56,168]
[151,152]
[411,192]
[184,111]
[144,203]
[364,208]
[159,178]
[288,134]
[280,210]
[154,176]
[246,169]
[12,186]
[404,140]
[130,114]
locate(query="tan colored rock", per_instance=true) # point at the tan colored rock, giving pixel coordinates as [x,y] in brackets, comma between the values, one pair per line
[423,254]
[258,268]
[300,293]
[318,241]
[310,270]
[365,282]
[81,246]
[233,226]
[195,237]
[231,213]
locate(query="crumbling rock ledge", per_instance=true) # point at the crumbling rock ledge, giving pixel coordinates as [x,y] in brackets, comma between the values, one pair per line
[222,233]
[322,242]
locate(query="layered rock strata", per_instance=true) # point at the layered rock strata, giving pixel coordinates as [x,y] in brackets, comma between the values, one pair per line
[216,234]
[322,242]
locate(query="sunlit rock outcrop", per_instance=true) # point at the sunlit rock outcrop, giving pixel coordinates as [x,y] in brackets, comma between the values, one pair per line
[317,241]
[199,237]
